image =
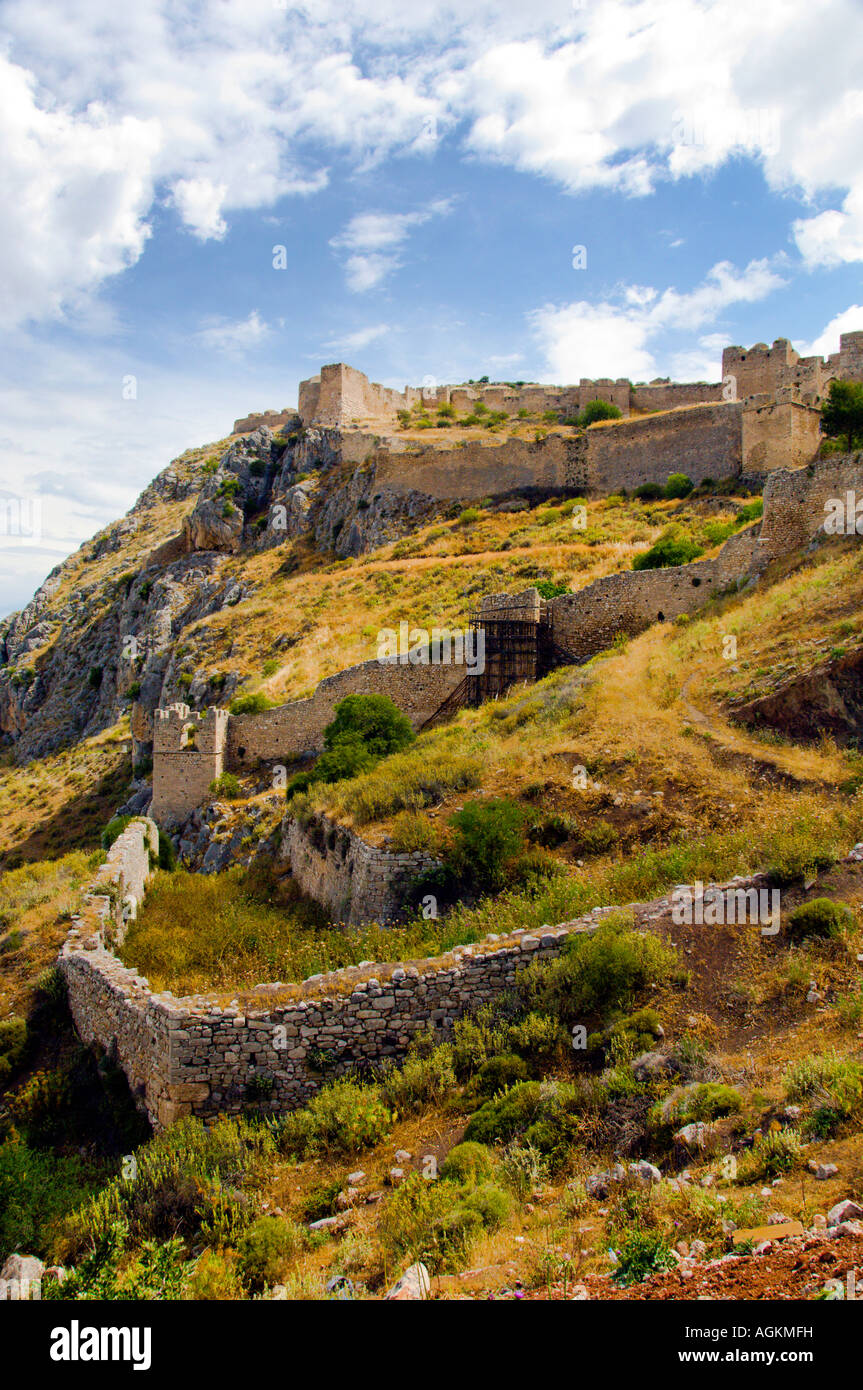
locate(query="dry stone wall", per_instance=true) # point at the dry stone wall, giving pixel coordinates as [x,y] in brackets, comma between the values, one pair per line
[794,501]
[356,881]
[197,1055]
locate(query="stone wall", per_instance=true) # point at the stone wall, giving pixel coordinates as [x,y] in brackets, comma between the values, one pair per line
[703,442]
[357,882]
[196,1055]
[297,728]
[780,432]
[794,501]
[276,419]
[671,395]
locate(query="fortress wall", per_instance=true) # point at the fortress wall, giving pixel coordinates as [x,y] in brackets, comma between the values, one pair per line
[703,442]
[794,501]
[779,434]
[274,418]
[587,622]
[670,395]
[195,1056]
[357,882]
[297,728]
[479,469]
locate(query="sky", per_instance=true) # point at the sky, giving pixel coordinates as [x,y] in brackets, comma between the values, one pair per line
[203,201]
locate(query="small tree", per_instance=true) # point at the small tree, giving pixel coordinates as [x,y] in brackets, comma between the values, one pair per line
[372,720]
[842,415]
[678,485]
[486,834]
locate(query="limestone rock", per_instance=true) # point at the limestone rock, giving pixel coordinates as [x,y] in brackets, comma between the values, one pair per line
[414,1285]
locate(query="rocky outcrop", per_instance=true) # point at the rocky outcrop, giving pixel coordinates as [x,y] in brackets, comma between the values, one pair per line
[826,700]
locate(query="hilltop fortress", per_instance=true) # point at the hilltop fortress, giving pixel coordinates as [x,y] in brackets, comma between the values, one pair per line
[760,424]
[763,414]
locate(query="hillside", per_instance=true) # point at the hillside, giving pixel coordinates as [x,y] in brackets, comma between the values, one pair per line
[721,1086]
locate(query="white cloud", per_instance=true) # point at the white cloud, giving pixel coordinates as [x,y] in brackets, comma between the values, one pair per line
[359,339]
[199,202]
[372,240]
[234,335]
[218,107]
[827,342]
[74,194]
[617,340]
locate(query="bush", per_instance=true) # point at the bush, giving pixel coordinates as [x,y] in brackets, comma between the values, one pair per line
[820,918]
[499,1073]
[373,719]
[342,1118]
[420,1081]
[598,974]
[13,1044]
[214,1279]
[468,516]
[467,1164]
[776,1152]
[642,1254]
[227,785]
[254,703]
[539,1038]
[546,1115]
[670,550]
[264,1249]
[678,485]
[649,492]
[629,1035]
[94,678]
[347,758]
[598,410]
[486,834]
[547,588]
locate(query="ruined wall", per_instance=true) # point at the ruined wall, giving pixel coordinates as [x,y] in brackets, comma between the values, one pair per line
[479,469]
[794,502]
[703,442]
[195,1056]
[357,882]
[784,432]
[762,370]
[274,418]
[671,395]
[298,727]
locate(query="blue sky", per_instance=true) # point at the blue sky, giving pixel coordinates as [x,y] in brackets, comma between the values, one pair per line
[428,175]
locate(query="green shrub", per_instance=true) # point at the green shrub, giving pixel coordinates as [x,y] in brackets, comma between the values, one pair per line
[253,703]
[597,974]
[264,1250]
[629,1035]
[94,678]
[774,1153]
[498,1073]
[13,1044]
[420,1081]
[373,719]
[227,784]
[486,834]
[342,1118]
[546,1115]
[539,1038]
[548,588]
[468,1165]
[468,516]
[642,1253]
[598,410]
[167,856]
[37,1190]
[649,492]
[678,485]
[820,918]
[670,550]
[346,758]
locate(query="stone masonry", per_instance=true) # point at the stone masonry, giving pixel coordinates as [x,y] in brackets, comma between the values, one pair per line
[198,1055]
